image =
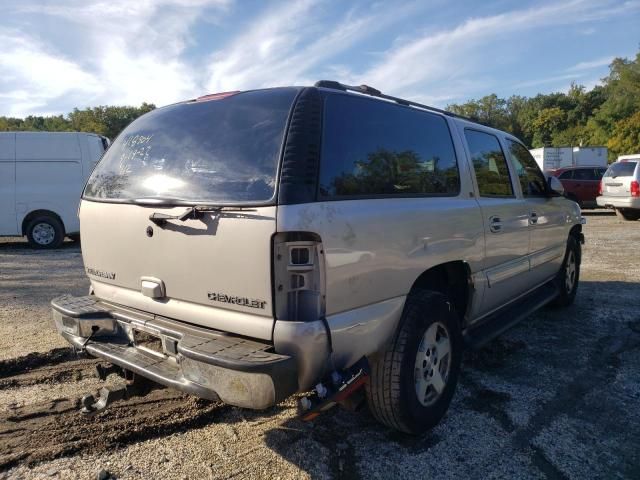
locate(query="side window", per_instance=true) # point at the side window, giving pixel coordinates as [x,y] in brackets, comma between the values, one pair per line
[372,148]
[584,174]
[490,164]
[600,173]
[532,180]
[568,175]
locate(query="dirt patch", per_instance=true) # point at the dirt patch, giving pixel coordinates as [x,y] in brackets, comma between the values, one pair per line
[554,397]
[55,427]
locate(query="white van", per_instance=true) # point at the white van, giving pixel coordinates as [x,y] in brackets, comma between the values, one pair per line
[41,178]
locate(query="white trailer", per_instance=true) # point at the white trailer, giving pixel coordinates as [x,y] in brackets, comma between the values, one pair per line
[552,158]
[590,156]
[626,158]
[42,175]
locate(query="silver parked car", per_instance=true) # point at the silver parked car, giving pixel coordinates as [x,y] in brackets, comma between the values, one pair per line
[620,189]
[250,245]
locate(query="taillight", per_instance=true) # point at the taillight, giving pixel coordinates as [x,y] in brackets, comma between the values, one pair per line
[635,188]
[600,190]
[298,277]
[216,96]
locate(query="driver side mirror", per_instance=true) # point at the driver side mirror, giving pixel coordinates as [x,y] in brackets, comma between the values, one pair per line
[555,185]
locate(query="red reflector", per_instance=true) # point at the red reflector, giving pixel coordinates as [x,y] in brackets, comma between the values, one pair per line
[635,188]
[600,190]
[216,96]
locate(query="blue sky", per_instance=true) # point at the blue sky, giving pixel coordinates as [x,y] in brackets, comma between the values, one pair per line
[61,54]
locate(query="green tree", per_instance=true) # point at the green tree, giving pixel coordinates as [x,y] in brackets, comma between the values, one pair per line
[625,138]
[548,122]
[489,110]
[106,120]
[103,120]
[604,115]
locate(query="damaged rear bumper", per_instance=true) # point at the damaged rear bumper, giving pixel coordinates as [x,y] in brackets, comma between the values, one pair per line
[202,362]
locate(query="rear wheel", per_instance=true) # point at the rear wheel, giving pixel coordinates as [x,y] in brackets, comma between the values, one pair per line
[412,382]
[628,215]
[569,275]
[45,231]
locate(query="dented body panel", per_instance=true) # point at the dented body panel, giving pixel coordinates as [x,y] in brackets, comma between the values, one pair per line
[293,267]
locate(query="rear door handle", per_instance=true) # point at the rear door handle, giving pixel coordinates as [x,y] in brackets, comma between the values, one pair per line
[533,218]
[496,225]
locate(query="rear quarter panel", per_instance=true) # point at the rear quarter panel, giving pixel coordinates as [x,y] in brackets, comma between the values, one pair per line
[376,249]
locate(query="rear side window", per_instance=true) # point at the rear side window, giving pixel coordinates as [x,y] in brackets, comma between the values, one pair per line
[490,164]
[372,148]
[584,174]
[568,175]
[621,169]
[531,179]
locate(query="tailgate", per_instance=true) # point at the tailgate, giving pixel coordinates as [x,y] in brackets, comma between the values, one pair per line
[616,187]
[617,180]
[214,271]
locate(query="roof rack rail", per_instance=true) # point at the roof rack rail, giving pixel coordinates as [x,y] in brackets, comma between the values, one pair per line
[367,90]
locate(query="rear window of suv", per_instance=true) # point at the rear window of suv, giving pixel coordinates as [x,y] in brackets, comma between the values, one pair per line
[621,169]
[373,148]
[218,151]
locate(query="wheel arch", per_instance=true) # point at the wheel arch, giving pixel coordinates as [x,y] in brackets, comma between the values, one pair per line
[36,213]
[452,279]
[576,232]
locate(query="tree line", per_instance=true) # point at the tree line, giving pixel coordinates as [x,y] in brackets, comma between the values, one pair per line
[607,115]
[104,120]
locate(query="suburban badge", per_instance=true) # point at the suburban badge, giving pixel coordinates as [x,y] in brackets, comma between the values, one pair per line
[101,273]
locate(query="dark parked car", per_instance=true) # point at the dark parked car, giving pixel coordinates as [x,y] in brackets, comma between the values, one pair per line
[581,184]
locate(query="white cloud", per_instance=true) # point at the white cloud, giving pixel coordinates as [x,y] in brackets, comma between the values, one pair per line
[133,51]
[289,44]
[591,64]
[554,79]
[443,61]
[32,75]
[129,51]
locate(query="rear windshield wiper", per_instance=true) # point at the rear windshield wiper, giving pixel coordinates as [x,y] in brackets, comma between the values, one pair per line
[195,212]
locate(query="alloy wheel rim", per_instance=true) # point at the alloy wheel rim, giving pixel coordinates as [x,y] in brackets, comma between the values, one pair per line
[43,233]
[571,270]
[432,365]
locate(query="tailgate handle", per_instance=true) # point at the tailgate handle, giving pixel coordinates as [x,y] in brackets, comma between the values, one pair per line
[152,287]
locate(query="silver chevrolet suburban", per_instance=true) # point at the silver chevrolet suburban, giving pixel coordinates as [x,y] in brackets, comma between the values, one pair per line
[246,246]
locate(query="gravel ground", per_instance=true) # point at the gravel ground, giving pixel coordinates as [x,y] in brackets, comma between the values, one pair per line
[558,396]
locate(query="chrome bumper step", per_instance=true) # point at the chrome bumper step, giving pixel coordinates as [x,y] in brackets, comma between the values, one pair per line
[196,360]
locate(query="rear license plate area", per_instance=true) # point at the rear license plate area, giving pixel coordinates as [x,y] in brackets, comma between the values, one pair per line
[147,341]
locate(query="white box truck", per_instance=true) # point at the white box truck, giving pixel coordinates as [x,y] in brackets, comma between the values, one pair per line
[42,175]
[626,158]
[590,156]
[552,158]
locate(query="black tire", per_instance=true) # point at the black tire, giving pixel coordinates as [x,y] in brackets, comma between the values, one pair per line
[628,215]
[45,231]
[568,289]
[391,387]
